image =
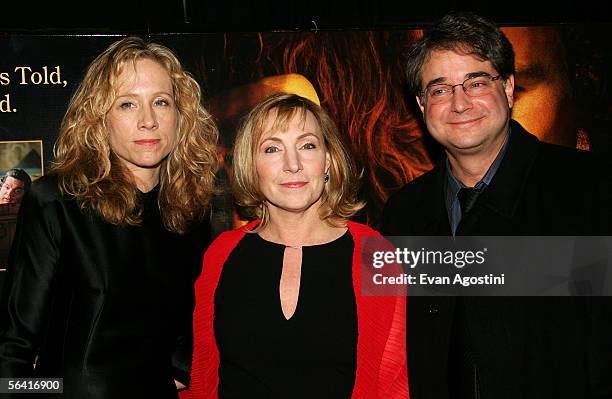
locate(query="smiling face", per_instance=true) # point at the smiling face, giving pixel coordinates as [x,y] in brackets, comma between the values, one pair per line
[466,125]
[142,121]
[291,164]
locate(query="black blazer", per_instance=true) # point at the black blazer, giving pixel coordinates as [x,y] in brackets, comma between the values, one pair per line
[106,307]
[529,347]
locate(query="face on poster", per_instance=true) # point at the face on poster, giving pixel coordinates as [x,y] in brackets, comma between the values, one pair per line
[21,162]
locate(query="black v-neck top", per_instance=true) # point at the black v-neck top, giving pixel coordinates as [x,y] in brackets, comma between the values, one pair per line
[313,354]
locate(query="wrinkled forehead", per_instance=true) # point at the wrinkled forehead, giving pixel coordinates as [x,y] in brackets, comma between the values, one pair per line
[12,182]
[450,64]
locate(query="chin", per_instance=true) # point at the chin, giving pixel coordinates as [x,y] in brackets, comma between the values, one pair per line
[293,206]
[466,143]
[150,163]
[296,208]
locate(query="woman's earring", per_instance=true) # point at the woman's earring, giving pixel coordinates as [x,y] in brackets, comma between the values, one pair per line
[326,178]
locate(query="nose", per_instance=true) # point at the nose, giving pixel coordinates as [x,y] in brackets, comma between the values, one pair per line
[460,101]
[10,194]
[148,119]
[292,162]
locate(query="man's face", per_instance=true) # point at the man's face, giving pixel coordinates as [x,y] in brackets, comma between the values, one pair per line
[542,96]
[466,125]
[12,191]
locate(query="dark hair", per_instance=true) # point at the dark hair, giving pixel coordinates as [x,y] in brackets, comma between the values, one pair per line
[465,33]
[18,174]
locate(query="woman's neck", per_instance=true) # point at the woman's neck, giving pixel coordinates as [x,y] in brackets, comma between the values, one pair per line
[145,179]
[299,229]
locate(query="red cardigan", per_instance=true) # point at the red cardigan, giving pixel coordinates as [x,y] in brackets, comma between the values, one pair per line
[381,340]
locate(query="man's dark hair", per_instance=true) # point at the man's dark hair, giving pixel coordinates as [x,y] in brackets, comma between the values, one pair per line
[465,33]
[18,174]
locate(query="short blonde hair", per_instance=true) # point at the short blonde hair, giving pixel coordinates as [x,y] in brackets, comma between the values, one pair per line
[88,170]
[340,192]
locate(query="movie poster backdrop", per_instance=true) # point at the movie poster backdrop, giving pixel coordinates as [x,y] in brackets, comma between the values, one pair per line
[562,95]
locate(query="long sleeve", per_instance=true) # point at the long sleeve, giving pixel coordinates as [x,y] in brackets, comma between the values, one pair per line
[197,240]
[205,362]
[381,347]
[205,359]
[29,285]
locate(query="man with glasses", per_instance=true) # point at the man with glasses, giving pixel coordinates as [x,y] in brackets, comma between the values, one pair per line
[497,179]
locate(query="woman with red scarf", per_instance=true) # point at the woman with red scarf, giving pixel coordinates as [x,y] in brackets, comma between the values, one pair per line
[279,309]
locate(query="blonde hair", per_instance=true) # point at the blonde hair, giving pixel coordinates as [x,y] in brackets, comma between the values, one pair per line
[87,168]
[340,192]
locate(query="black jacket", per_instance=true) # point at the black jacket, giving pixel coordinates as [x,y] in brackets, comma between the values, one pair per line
[527,347]
[107,308]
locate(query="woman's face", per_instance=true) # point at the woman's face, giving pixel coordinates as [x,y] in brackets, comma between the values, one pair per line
[142,121]
[291,164]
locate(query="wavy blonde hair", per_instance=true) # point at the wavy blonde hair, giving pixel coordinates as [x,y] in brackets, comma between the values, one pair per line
[339,200]
[87,168]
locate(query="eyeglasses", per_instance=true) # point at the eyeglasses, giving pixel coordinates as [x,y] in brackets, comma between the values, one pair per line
[475,86]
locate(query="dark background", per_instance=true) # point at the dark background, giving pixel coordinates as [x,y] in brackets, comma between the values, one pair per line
[182,16]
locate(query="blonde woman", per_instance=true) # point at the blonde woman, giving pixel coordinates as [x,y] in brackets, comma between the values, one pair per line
[279,309]
[100,287]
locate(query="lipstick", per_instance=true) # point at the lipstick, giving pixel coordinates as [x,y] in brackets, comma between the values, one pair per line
[147,141]
[294,184]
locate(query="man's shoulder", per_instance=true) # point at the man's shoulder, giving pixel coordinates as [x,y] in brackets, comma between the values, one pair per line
[563,153]
[569,163]
[552,163]
[573,188]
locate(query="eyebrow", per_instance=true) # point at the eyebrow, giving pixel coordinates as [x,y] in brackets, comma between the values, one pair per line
[137,95]
[442,80]
[435,82]
[301,136]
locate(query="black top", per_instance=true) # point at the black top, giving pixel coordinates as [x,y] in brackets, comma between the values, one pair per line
[264,355]
[107,308]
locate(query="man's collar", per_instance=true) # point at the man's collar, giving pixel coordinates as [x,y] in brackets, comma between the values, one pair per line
[506,187]
[455,184]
